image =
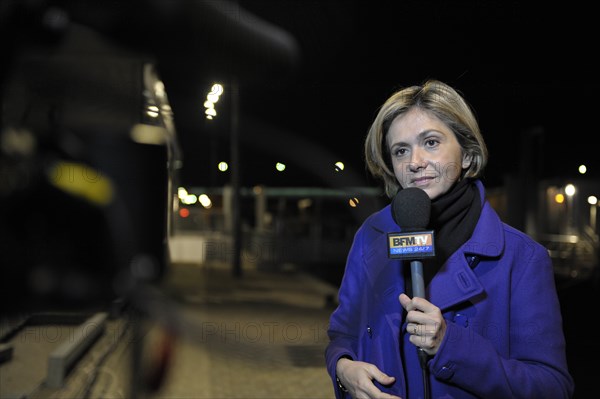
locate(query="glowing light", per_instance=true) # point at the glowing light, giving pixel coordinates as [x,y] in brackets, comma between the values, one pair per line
[184,212]
[592,200]
[304,203]
[582,169]
[223,166]
[159,88]
[189,199]
[280,166]
[339,166]
[216,89]
[205,201]
[353,202]
[182,192]
[559,198]
[152,111]
[570,190]
[211,98]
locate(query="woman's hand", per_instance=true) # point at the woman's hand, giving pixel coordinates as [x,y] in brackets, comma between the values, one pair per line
[357,377]
[426,325]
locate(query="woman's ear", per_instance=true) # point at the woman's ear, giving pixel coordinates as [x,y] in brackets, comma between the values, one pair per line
[467,160]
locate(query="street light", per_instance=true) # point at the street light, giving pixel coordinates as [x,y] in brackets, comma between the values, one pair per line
[570,192]
[211,99]
[593,201]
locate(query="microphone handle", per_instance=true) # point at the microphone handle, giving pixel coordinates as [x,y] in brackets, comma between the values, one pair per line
[418,287]
[418,283]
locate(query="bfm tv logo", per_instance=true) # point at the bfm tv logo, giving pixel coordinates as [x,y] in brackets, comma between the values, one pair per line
[411,245]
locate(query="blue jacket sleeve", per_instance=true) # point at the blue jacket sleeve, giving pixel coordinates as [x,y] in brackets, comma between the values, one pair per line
[342,329]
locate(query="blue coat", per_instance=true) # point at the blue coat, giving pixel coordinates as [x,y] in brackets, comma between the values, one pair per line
[504,336]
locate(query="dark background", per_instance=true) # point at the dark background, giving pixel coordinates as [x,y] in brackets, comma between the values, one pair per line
[525,67]
[309,76]
[309,83]
[521,65]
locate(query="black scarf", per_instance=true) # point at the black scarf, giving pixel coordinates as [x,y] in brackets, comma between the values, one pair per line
[453,219]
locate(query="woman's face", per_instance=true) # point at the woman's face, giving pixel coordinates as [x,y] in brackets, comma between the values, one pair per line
[425,152]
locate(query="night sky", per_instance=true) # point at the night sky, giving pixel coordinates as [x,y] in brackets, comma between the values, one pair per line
[307,77]
[523,69]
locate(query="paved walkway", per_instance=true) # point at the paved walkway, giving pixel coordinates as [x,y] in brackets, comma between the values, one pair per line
[259,336]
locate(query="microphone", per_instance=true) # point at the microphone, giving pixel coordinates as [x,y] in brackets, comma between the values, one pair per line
[411,210]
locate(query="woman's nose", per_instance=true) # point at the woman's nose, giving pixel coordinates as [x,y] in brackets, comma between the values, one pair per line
[417,161]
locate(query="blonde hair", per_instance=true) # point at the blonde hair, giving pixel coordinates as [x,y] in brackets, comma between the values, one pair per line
[438,99]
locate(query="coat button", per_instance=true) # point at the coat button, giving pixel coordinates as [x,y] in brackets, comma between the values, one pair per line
[446,372]
[461,320]
[369,331]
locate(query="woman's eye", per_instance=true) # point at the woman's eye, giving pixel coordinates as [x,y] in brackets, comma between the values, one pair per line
[431,143]
[399,152]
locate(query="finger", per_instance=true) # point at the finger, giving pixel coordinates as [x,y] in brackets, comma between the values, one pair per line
[418,317]
[373,392]
[384,379]
[412,328]
[423,305]
[431,330]
[421,342]
[416,303]
[405,301]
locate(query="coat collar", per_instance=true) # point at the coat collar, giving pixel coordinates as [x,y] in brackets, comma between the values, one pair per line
[456,281]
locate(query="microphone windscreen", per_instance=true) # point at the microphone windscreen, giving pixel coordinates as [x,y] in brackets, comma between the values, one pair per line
[411,208]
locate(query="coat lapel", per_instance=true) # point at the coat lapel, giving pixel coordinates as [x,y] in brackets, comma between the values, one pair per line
[456,281]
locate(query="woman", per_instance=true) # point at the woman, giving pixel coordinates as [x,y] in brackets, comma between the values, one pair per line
[490,322]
